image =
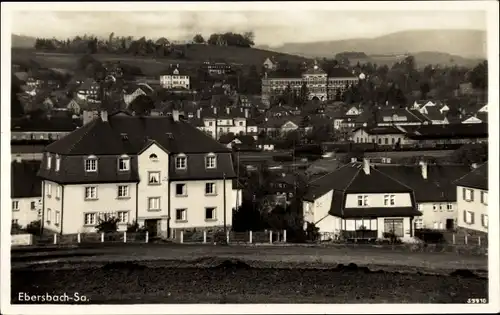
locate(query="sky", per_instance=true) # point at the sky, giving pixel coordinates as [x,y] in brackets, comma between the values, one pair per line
[271,28]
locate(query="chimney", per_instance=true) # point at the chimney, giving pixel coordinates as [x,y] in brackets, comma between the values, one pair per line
[423,167]
[198,113]
[354,160]
[104,115]
[473,166]
[228,110]
[366,166]
[265,75]
[246,112]
[215,110]
[18,158]
[175,115]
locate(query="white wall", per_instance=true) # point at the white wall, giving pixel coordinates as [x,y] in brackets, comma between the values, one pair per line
[474,206]
[435,214]
[25,215]
[377,200]
[196,201]
[50,201]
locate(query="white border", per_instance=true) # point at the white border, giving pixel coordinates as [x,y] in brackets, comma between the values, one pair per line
[491,7]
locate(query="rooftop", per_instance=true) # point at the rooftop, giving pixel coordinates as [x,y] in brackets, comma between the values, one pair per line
[477,178]
[24,180]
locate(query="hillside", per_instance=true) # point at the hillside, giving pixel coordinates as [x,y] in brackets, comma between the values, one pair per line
[458,44]
[150,65]
[21,41]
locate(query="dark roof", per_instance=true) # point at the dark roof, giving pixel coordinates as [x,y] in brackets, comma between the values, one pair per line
[54,124]
[24,180]
[412,116]
[439,185]
[478,178]
[105,137]
[433,113]
[340,72]
[449,131]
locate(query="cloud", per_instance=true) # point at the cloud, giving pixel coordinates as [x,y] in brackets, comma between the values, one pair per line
[270,27]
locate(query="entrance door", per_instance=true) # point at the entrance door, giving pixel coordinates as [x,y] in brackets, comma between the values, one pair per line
[394,226]
[450,224]
[152,226]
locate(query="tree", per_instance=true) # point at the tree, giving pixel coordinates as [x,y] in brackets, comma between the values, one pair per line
[479,76]
[424,89]
[471,153]
[108,224]
[198,39]
[303,94]
[142,105]
[16,108]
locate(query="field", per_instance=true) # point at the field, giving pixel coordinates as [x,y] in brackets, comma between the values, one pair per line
[195,55]
[257,274]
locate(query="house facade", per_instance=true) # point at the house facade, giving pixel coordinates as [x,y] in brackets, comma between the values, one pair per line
[25,192]
[175,80]
[160,172]
[359,201]
[472,200]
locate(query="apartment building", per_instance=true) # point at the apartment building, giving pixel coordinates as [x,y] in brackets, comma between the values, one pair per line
[175,80]
[159,171]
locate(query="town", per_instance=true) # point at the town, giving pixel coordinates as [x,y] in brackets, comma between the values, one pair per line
[212,141]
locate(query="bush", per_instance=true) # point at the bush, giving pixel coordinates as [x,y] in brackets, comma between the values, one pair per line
[393,238]
[34,227]
[16,228]
[108,225]
[430,236]
[135,228]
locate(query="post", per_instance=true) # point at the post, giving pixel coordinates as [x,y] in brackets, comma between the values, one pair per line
[479,240]
[224,198]
[55,238]
[465,239]
[182,237]
[270,237]
[284,236]
[453,238]
[125,236]
[227,237]
[204,236]
[102,237]
[147,236]
[250,237]
[78,238]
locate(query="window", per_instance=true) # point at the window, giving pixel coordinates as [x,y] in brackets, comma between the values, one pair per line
[49,161]
[123,191]
[180,190]
[180,162]
[15,221]
[468,194]
[49,215]
[123,216]
[57,218]
[210,213]
[241,123]
[395,226]
[419,224]
[15,205]
[91,192]
[386,200]
[392,200]
[91,164]
[434,207]
[449,207]
[180,215]
[362,201]
[58,192]
[49,189]
[58,163]
[419,207]
[124,163]
[90,219]
[484,197]
[154,203]
[154,178]
[33,205]
[153,157]
[484,220]
[440,208]
[210,161]
[435,225]
[469,217]
[210,189]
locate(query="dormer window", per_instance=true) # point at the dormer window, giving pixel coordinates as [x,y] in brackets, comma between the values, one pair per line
[91,164]
[124,163]
[181,162]
[58,163]
[210,161]
[49,161]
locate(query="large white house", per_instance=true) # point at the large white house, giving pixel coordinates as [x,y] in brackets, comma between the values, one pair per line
[159,171]
[25,192]
[472,203]
[358,200]
[174,79]
[220,122]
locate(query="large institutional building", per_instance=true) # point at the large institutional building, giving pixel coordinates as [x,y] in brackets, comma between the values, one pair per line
[320,84]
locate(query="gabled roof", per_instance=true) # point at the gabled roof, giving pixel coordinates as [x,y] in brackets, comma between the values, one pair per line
[478,178]
[24,180]
[433,113]
[106,137]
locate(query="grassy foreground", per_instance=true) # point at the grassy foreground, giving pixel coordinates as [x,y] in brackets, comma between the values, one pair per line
[237,282]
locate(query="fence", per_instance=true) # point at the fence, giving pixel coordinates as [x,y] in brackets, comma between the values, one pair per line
[90,238]
[250,237]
